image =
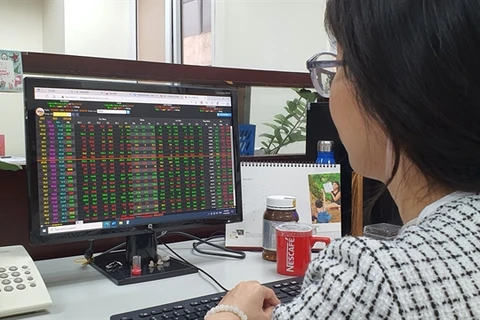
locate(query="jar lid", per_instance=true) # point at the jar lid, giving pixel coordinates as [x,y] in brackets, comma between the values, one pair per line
[281,202]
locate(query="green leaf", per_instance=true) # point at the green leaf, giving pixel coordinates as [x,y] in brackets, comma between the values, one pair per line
[297,116]
[307,95]
[274,127]
[265,144]
[297,90]
[283,119]
[284,122]
[302,106]
[292,106]
[280,117]
[267,135]
[9,167]
[297,136]
[300,112]
[278,136]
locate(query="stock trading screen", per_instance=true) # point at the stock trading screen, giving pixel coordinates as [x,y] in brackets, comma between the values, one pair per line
[104,164]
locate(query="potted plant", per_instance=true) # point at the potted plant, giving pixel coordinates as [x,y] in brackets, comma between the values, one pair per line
[289,127]
[9,166]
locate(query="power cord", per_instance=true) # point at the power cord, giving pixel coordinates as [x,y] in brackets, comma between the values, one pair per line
[89,253]
[194,266]
[208,240]
[118,246]
[229,253]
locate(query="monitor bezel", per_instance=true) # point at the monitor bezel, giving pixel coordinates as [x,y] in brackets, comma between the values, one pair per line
[36,238]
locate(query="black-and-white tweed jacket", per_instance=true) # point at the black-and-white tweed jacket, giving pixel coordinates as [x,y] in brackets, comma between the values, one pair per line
[431,271]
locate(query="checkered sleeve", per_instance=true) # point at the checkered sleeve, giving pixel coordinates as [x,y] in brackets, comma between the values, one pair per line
[343,281]
[430,271]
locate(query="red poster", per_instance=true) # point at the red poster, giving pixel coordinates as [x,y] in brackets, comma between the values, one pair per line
[2,145]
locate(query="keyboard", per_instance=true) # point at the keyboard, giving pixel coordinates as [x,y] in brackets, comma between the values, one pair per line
[196,308]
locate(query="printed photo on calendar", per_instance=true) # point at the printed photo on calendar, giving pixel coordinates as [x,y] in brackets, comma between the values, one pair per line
[325,197]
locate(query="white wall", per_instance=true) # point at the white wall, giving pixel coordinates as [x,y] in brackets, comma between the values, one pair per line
[21,25]
[270,35]
[53,26]
[100,28]
[21,30]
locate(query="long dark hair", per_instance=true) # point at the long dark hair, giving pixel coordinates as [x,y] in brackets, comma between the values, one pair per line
[415,67]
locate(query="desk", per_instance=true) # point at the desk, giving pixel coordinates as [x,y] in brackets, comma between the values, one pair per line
[83,293]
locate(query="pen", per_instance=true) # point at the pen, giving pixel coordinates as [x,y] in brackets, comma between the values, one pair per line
[5,157]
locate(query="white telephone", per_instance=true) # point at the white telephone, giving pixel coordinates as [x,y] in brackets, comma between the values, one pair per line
[22,288]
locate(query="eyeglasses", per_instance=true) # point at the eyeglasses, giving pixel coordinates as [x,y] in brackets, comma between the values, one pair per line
[323,67]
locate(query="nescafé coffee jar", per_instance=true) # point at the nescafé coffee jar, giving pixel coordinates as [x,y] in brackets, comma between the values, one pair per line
[280,209]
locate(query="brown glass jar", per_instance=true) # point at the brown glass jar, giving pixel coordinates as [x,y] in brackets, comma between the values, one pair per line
[280,209]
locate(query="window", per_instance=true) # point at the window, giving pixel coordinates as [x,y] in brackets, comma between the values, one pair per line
[197,32]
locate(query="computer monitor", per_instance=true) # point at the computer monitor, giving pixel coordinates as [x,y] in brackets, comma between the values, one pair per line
[109,159]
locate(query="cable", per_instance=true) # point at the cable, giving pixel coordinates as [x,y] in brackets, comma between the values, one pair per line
[88,255]
[194,266]
[231,253]
[118,246]
[234,254]
[196,244]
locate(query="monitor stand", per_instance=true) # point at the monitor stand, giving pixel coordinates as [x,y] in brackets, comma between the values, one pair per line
[117,265]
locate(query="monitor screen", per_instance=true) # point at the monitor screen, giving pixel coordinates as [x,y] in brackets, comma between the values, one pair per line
[110,158]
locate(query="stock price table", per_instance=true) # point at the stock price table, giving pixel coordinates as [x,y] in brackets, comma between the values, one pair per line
[93,170]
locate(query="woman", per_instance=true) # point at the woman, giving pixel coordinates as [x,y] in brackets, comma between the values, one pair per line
[336,195]
[406,102]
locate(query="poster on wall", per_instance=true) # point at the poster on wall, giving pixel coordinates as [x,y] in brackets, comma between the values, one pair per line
[11,73]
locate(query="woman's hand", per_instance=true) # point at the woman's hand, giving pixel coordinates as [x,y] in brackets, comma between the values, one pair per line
[255,300]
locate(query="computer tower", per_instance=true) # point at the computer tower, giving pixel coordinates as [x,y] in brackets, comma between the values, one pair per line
[320,126]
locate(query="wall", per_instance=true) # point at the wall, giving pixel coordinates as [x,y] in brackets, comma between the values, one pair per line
[22,30]
[151,30]
[21,25]
[53,12]
[103,28]
[272,35]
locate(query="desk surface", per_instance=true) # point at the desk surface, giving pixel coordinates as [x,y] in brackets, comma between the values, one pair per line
[83,293]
